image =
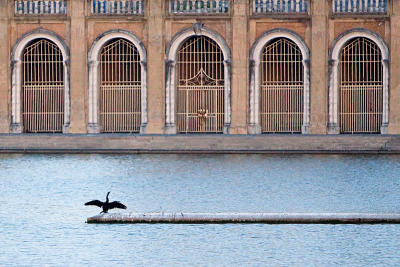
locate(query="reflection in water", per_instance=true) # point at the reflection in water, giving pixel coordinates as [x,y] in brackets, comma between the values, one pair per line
[42,213]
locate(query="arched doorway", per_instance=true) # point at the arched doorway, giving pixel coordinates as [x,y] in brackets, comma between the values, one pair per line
[359,84]
[200,86]
[197,68]
[42,87]
[360,87]
[279,84]
[40,93]
[117,84]
[281,87]
[120,87]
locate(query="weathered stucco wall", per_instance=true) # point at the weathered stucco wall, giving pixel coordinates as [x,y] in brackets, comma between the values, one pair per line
[5,94]
[240,28]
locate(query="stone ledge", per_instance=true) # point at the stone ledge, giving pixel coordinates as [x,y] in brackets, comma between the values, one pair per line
[268,218]
[121,143]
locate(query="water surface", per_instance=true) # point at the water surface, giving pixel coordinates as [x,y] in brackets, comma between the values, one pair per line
[43,218]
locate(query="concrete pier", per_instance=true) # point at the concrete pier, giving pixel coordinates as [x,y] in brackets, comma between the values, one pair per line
[266,218]
[207,143]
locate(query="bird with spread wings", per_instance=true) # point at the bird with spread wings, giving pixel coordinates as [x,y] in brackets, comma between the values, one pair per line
[107,205]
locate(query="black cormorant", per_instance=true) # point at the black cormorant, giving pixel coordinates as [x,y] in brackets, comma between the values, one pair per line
[106,205]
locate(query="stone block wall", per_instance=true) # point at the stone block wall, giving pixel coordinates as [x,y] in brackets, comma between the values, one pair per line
[238,22]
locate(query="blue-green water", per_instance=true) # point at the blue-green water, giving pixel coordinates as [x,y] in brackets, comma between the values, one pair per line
[42,216]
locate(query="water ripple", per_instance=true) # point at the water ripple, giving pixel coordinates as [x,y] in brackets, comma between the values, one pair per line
[42,214]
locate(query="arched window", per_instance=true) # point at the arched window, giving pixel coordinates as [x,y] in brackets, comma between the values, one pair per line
[360,87]
[42,87]
[359,84]
[282,87]
[40,84]
[120,87]
[279,84]
[117,84]
[200,86]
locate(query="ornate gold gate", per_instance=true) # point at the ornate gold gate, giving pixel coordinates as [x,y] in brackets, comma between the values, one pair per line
[200,89]
[361,87]
[43,87]
[120,88]
[282,87]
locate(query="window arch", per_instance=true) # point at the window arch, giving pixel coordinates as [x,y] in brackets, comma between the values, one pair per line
[359,83]
[117,84]
[198,89]
[279,84]
[40,84]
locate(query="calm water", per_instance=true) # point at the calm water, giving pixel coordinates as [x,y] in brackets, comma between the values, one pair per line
[42,215]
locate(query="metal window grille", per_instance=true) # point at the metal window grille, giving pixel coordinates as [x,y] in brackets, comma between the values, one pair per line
[361,87]
[40,7]
[120,88]
[359,6]
[199,7]
[200,90]
[282,87]
[43,87]
[280,6]
[117,7]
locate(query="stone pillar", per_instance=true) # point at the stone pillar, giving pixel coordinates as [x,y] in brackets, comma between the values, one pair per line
[155,67]
[394,71]
[319,67]
[78,67]
[5,51]
[240,59]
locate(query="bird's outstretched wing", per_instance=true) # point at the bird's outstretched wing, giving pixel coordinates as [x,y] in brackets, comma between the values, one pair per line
[117,204]
[97,203]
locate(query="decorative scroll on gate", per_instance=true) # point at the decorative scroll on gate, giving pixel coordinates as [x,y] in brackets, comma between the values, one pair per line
[120,88]
[200,90]
[282,88]
[361,87]
[43,87]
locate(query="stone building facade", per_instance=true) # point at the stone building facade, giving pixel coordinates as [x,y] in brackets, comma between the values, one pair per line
[310,38]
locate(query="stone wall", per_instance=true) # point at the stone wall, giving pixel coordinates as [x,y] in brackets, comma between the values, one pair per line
[240,26]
